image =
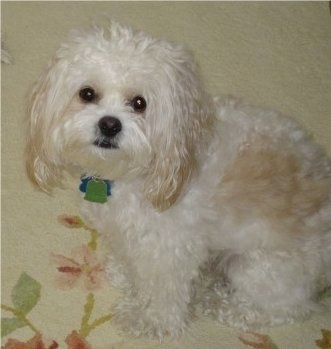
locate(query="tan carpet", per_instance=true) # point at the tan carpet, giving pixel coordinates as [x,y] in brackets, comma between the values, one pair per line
[274,54]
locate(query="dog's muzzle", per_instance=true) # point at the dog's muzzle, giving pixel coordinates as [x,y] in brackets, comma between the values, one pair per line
[108,128]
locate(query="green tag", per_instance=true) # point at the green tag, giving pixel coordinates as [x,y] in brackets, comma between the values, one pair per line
[96,191]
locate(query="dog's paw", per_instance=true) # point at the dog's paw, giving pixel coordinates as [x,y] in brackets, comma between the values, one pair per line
[235,310]
[144,321]
[223,304]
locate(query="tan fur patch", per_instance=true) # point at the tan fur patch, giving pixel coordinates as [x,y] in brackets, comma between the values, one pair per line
[269,183]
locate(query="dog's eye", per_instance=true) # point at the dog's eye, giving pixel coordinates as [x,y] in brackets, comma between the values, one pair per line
[87,95]
[139,104]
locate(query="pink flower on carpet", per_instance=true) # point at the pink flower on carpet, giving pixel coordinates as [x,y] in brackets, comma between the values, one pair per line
[260,341]
[76,341]
[83,269]
[325,342]
[71,221]
[34,343]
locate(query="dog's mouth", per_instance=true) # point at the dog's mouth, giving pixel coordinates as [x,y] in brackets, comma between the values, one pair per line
[106,143]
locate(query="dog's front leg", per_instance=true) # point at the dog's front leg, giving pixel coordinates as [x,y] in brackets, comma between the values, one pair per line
[159,302]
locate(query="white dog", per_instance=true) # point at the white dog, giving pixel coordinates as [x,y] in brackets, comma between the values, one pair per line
[201,199]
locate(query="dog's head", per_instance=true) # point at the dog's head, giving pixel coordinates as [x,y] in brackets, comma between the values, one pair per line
[117,104]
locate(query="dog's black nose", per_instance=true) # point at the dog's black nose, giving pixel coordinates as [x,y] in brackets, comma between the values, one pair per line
[109,126]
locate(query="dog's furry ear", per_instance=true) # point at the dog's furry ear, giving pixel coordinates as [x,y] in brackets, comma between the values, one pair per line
[167,177]
[179,115]
[46,103]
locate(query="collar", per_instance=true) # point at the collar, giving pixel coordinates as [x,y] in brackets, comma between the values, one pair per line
[96,189]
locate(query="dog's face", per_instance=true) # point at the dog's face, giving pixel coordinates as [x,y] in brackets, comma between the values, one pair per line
[118,106]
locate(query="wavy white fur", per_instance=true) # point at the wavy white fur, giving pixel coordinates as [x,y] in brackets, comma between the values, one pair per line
[213,201]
